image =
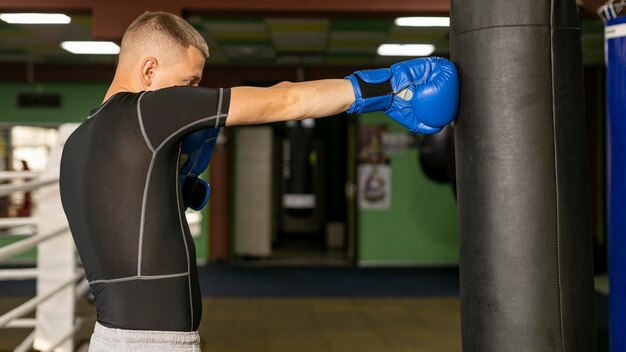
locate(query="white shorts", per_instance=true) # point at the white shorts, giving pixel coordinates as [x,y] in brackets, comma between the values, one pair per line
[117,340]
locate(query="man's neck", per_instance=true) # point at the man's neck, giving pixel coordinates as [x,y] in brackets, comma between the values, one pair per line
[117,86]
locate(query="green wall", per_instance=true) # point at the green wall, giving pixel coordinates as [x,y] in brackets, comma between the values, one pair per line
[420,227]
[77,101]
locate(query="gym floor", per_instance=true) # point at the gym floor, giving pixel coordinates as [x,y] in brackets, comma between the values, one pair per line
[274,308]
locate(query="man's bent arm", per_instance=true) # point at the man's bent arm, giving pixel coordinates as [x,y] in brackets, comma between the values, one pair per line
[289,101]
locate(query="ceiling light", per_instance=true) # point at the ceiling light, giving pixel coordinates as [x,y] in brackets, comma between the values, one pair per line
[101,48]
[423,21]
[35,18]
[406,49]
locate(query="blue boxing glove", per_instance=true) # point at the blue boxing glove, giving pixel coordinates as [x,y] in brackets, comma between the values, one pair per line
[421,94]
[196,192]
[198,147]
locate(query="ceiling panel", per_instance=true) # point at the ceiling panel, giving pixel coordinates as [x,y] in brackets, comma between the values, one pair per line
[263,40]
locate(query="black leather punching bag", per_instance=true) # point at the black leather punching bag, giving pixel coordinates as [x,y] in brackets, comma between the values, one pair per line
[524,218]
[436,155]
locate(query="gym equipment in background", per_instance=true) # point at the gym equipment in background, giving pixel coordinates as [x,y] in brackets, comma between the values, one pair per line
[436,156]
[298,195]
[302,181]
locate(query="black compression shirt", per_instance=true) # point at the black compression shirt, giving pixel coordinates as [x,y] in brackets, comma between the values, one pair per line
[120,192]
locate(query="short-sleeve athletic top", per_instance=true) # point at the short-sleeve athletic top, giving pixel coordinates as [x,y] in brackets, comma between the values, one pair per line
[120,192]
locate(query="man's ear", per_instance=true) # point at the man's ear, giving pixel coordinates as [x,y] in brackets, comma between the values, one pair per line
[148,70]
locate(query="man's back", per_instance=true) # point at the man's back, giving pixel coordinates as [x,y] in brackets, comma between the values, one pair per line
[120,191]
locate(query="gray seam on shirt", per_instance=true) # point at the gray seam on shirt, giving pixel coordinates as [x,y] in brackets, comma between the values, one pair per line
[140,118]
[138,277]
[219,107]
[182,231]
[144,202]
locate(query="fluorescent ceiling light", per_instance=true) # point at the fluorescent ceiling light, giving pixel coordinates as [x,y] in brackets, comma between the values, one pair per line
[423,21]
[406,49]
[35,18]
[91,47]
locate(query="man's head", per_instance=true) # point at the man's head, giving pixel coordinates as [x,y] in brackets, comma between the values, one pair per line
[160,50]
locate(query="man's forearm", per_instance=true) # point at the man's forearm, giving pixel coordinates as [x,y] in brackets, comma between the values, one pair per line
[321,98]
[289,101]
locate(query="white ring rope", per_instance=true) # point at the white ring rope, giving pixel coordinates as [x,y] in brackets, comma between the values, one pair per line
[16,222]
[12,175]
[18,274]
[6,190]
[22,323]
[31,304]
[16,248]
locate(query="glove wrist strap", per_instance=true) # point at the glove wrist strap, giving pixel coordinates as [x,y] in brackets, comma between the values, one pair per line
[373,91]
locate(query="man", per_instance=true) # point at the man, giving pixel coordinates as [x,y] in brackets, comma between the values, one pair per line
[120,169]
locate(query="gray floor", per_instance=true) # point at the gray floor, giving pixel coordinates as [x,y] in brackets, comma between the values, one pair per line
[305,324]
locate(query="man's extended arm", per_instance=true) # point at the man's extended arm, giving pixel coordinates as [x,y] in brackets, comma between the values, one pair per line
[421,94]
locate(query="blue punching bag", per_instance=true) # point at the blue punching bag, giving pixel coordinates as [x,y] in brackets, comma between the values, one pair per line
[616,184]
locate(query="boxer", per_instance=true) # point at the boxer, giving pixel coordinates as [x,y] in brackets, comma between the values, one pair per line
[121,178]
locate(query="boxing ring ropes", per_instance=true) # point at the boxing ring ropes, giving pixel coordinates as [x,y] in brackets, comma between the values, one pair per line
[60,280]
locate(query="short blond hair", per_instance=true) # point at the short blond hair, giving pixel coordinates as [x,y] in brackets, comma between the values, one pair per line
[152,25]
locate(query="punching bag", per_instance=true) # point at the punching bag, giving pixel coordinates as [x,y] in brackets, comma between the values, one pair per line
[524,224]
[616,182]
[436,155]
[298,197]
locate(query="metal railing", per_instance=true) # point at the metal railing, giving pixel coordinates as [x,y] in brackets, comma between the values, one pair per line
[59,279]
